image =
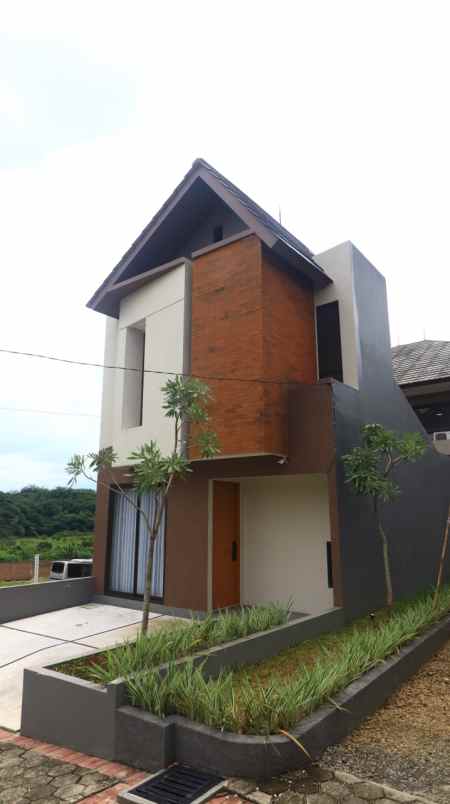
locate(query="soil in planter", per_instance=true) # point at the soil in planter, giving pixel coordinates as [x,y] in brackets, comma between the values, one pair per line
[81,668]
[285,664]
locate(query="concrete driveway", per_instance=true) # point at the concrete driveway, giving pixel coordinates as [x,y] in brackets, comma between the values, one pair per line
[50,638]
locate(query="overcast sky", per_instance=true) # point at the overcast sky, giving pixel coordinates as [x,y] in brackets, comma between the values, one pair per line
[334,111]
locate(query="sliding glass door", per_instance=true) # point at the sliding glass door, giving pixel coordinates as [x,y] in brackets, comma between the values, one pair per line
[129,545]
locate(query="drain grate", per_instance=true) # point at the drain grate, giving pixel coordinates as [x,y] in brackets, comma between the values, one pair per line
[179,784]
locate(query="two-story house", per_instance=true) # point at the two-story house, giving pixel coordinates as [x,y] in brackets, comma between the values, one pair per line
[296,350]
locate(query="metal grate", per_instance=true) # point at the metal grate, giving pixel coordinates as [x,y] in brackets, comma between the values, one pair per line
[177,785]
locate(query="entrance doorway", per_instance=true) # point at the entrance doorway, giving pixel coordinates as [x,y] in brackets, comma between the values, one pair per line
[226,544]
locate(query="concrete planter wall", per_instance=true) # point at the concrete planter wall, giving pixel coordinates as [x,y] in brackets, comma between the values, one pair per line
[39,598]
[67,711]
[182,740]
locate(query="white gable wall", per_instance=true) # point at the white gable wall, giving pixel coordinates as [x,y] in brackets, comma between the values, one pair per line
[159,308]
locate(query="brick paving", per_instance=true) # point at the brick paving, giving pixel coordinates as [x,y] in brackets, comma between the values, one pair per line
[32,771]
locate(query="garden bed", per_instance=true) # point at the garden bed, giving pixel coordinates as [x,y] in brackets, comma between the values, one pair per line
[175,641]
[77,712]
[348,676]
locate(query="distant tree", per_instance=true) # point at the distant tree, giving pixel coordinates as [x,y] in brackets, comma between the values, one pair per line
[369,469]
[185,400]
[36,511]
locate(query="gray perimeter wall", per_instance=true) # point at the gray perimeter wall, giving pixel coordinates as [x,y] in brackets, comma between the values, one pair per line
[17,602]
[415,521]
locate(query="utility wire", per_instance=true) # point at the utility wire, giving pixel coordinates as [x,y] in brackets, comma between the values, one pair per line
[150,371]
[51,412]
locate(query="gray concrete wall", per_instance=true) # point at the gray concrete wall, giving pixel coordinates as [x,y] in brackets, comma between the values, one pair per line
[415,520]
[17,602]
[68,711]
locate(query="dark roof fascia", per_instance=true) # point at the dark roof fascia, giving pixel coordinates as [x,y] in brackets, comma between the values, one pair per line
[145,235]
[298,261]
[238,208]
[272,241]
[211,178]
[114,294]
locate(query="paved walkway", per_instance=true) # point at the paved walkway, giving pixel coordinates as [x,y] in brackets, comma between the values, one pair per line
[32,772]
[314,786]
[45,774]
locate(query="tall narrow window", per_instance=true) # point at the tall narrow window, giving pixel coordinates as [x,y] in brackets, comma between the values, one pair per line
[133,381]
[141,382]
[329,341]
[329,565]
[217,234]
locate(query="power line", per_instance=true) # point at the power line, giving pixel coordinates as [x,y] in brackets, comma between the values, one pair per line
[215,378]
[51,412]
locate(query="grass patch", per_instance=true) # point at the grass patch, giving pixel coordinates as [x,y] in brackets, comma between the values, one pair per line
[21,583]
[174,641]
[277,694]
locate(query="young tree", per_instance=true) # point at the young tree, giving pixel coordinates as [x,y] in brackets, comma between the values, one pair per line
[185,400]
[369,469]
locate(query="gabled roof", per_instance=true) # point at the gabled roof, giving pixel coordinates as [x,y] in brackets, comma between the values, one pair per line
[421,361]
[256,219]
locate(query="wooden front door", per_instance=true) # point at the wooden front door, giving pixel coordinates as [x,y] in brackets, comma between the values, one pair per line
[226,545]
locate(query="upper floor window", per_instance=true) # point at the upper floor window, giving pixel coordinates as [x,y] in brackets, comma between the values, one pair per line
[329,341]
[217,234]
[133,383]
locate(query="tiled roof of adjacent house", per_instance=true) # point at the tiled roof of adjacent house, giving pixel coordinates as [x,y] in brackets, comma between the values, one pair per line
[422,361]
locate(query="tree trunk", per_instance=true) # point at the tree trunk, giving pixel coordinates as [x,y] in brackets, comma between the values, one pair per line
[387,567]
[148,581]
[442,561]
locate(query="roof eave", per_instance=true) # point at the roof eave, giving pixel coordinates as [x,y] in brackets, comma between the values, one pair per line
[302,263]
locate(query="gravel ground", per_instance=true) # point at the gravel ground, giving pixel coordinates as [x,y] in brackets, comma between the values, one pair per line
[406,744]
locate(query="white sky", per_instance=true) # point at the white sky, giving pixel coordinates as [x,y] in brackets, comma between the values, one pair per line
[336,111]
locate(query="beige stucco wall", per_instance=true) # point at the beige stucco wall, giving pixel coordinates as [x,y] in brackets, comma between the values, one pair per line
[285,525]
[159,307]
[338,264]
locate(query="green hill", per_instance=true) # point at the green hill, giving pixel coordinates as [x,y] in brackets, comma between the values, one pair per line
[36,511]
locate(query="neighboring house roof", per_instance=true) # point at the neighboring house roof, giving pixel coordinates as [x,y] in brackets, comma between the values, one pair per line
[422,361]
[272,233]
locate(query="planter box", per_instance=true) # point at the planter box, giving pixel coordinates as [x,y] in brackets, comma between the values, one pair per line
[67,711]
[181,740]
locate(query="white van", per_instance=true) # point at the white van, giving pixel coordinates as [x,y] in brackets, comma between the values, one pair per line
[75,568]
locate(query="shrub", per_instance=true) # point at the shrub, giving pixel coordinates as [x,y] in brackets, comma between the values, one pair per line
[236,703]
[179,639]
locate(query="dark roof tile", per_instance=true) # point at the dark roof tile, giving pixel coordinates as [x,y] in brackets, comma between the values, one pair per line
[422,361]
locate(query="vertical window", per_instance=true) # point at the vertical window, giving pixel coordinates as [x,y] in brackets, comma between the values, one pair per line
[329,565]
[129,545]
[217,234]
[133,382]
[329,341]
